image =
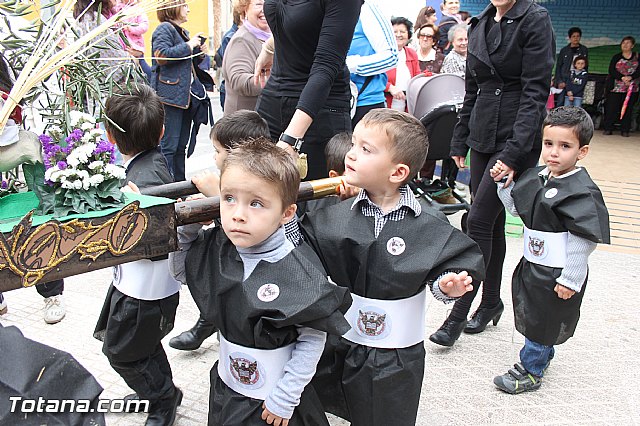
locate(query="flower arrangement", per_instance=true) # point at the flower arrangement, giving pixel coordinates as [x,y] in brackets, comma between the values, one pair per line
[79,170]
[8,186]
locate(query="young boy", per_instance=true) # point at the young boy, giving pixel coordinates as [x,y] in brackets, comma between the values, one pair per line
[386,250]
[140,306]
[273,306]
[229,130]
[564,217]
[577,82]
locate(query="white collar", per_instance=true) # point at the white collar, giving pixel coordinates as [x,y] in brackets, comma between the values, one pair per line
[545,173]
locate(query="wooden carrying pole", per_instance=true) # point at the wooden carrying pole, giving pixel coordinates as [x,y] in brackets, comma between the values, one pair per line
[57,250]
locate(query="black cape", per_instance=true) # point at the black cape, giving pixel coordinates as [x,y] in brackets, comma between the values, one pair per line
[381,386]
[577,207]
[30,370]
[215,271]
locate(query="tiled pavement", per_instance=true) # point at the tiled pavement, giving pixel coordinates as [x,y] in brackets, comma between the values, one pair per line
[593,380]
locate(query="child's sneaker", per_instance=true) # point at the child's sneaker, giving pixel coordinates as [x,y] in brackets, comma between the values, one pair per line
[54,309]
[517,380]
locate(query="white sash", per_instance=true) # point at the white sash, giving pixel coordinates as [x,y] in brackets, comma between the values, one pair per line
[249,371]
[145,279]
[545,248]
[387,324]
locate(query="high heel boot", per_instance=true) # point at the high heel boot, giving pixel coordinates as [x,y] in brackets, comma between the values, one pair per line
[192,339]
[448,332]
[482,317]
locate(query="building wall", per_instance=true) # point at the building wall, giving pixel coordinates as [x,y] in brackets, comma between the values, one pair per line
[603,23]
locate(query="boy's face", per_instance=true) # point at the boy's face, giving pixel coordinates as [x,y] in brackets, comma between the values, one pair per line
[369,163]
[221,153]
[579,65]
[561,150]
[251,208]
[574,39]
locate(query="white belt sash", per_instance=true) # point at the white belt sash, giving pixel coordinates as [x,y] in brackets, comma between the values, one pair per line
[145,279]
[249,371]
[545,248]
[390,324]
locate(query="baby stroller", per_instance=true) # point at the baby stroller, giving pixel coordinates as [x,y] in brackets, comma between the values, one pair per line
[436,101]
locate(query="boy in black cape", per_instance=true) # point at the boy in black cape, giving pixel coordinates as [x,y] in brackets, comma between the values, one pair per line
[141,303]
[385,249]
[564,217]
[272,305]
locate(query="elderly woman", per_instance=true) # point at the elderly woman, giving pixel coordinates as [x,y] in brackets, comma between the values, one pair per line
[624,78]
[429,58]
[408,66]
[456,61]
[241,54]
[509,63]
[174,80]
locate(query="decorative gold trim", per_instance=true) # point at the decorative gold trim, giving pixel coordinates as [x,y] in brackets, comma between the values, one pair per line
[32,253]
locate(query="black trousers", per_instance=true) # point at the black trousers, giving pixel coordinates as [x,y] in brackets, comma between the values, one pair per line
[329,121]
[613,107]
[485,224]
[132,342]
[362,110]
[52,288]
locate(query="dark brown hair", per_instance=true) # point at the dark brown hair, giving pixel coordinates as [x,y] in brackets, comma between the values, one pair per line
[138,118]
[574,118]
[336,150]
[239,126]
[169,10]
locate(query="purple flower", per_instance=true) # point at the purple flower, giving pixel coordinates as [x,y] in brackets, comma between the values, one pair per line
[62,165]
[4,184]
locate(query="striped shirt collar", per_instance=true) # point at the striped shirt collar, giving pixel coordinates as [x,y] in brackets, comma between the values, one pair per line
[407,199]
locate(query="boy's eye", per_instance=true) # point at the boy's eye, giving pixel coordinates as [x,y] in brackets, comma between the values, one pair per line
[565,146]
[365,149]
[228,199]
[547,143]
[256,203]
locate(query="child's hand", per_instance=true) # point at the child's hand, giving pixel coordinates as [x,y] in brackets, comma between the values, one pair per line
[495,170]
[130,187]
[563,292]
[347,191]
[455,285]
[272,419]
[208,183]
[503,171]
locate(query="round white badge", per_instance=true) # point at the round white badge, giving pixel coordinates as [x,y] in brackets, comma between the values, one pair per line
[396,246]
[268,292]
[551,193]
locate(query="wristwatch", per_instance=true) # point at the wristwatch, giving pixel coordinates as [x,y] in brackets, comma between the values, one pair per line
[296,143]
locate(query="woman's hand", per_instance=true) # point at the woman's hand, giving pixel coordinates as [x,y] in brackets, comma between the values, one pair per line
[195,41]
[459,160]
[396,93]
[262,69]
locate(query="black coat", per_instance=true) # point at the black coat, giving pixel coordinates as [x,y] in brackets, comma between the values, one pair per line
[507,83]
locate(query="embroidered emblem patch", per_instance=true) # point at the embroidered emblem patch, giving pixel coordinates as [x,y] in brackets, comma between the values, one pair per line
[268,292]
[246,371]
[373,323]
[551,193]
[396,246]
[536,247]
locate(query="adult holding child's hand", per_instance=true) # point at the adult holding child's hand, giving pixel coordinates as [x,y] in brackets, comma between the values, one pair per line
[510,56]
[306,96]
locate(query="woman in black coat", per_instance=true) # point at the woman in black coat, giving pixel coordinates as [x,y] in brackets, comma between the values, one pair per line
[510,57]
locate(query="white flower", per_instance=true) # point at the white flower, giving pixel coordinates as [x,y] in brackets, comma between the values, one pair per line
[77,184]
[115,171]
[95,165]
[67,184]
[96,180]
[75,117]
[87,126]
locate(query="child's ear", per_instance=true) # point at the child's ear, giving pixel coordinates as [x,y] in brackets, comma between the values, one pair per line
[333,173]
[400,174]
[289,213]
[110,138]
[161,133]
[584,150]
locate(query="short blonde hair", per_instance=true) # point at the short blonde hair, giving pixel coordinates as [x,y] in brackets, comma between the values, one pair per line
[263,159]
[169,10]
[241,6]
[407,137]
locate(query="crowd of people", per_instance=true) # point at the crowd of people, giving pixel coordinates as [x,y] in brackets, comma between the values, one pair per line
[328,79]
